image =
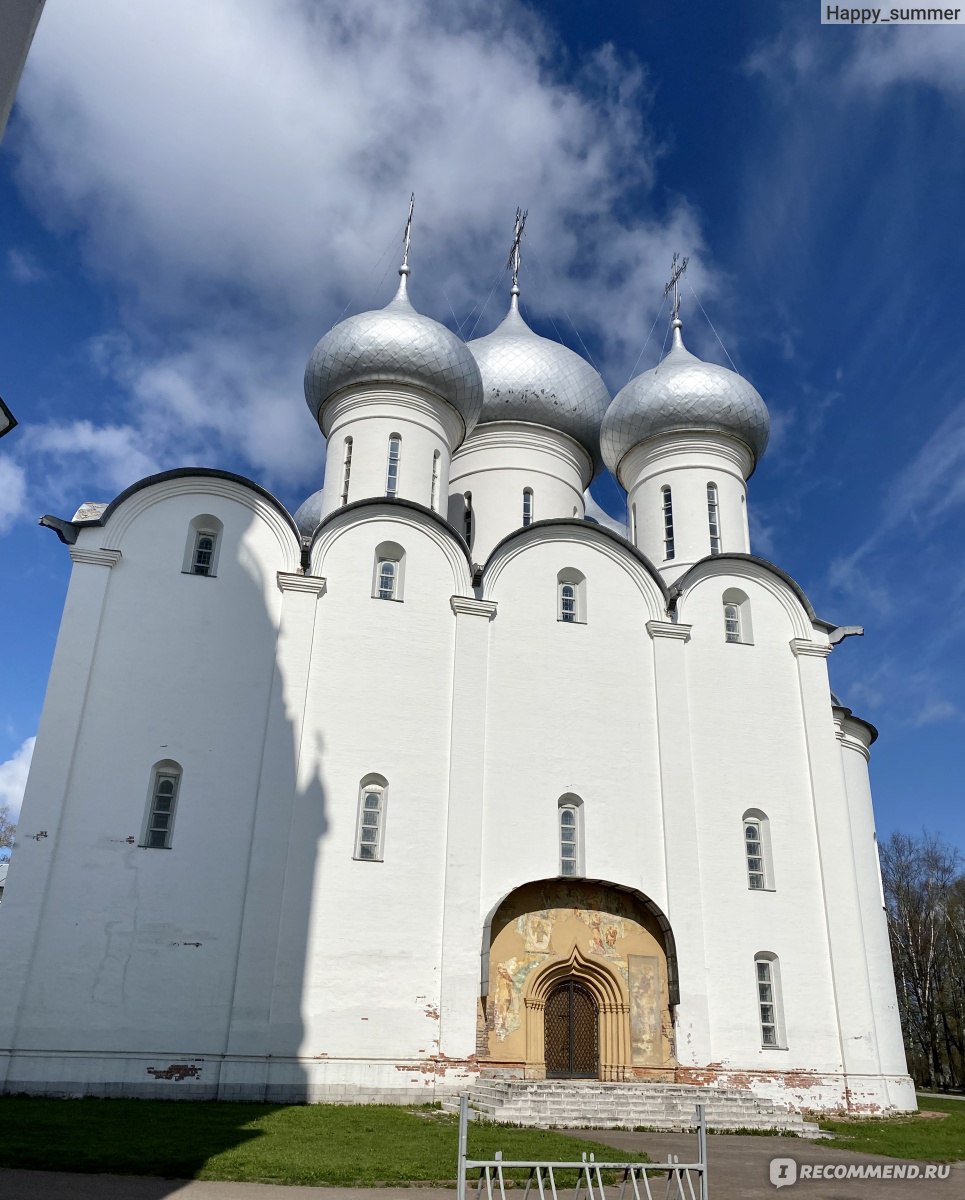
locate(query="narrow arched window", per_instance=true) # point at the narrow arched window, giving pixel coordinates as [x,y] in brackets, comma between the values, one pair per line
[527,506]
[392,467]
[567,602]
[757,851]
[754,851]
[713,518]
[668,544]
[633,523]
[467,519]
[434,489]
[346,470]
[767,972]
[389,575]
[370,829]
[571,835]
[203,552]
[203,546]
[571,596]
[737,617]
[162,802]
[387,578]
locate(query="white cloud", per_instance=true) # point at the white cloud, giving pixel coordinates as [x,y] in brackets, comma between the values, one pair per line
[13,493]
[879,59]
[240,171]
[602,517]
[13,777]
[111,453]
[912,55]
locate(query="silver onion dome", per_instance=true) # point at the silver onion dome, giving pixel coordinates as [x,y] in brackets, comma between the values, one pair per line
[683,393]
[309,514]
[395,344]
[529,378]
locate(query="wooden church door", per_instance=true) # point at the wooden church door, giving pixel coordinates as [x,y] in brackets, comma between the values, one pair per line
[571,1026]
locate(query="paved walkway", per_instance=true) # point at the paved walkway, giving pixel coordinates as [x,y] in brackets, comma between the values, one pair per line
[739,1167]
[739,1170]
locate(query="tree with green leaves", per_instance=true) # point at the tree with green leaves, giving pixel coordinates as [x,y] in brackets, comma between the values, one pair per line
[924,885]
[7,831]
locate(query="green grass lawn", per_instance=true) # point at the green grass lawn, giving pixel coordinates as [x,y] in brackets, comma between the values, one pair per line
[307,1144]
[933,1139]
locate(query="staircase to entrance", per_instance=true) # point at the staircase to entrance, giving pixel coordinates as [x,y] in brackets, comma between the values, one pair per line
[547,1104]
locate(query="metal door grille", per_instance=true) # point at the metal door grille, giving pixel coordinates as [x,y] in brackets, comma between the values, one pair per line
[571,1028]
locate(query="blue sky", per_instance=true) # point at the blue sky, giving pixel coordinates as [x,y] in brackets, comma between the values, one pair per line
[190,195]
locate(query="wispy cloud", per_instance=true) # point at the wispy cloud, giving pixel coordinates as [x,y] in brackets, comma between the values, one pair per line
[13,492]
[23,267]
[927,55]
[239,211]
[13,777]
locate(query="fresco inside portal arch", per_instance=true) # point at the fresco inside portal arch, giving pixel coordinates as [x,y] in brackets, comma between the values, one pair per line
[544,922]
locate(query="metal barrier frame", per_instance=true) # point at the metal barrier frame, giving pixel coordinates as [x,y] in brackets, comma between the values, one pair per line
[542,1175]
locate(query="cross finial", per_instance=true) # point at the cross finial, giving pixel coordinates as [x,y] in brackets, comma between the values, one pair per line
[677,269]
[407,237]
[513,262]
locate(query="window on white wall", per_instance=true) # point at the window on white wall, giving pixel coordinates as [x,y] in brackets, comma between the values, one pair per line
[346,470]
[767,971]
[467,520]
[737,617]
[713,518]
[434,489]
[633,523]
[567,602]
[757,851]
[527,506]
[571,596]
[162,803]
[392,465]
[370,831]
[202,546]
[668,542]
[389,576]
[571,835]
[203,552]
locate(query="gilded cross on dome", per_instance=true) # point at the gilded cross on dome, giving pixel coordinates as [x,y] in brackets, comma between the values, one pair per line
[677,269]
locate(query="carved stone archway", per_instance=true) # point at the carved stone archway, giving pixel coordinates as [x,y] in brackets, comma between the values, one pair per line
[610,994]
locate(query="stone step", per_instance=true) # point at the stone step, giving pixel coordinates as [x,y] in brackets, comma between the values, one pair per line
[552,1103]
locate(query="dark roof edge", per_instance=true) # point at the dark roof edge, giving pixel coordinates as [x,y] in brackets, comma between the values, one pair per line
[872,729]
[396,502]
[678,587]
[576,523]
[12,421]
[66,531]
[62,528]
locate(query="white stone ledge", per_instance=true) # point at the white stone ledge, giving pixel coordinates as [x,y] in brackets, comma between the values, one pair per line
[98,558]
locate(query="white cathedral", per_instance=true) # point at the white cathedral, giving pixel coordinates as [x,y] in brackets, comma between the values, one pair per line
[439,779]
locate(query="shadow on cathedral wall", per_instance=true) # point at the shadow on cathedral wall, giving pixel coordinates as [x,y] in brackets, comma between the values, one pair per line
[187,964]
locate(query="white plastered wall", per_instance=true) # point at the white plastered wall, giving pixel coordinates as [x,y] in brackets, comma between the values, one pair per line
[142,943]
[896,1087]
[426,424]
[687,463]
[360,943]
[571,709]
[498,462]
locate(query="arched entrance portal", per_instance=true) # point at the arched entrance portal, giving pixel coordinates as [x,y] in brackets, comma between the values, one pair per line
[579,978]
[571,1033]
